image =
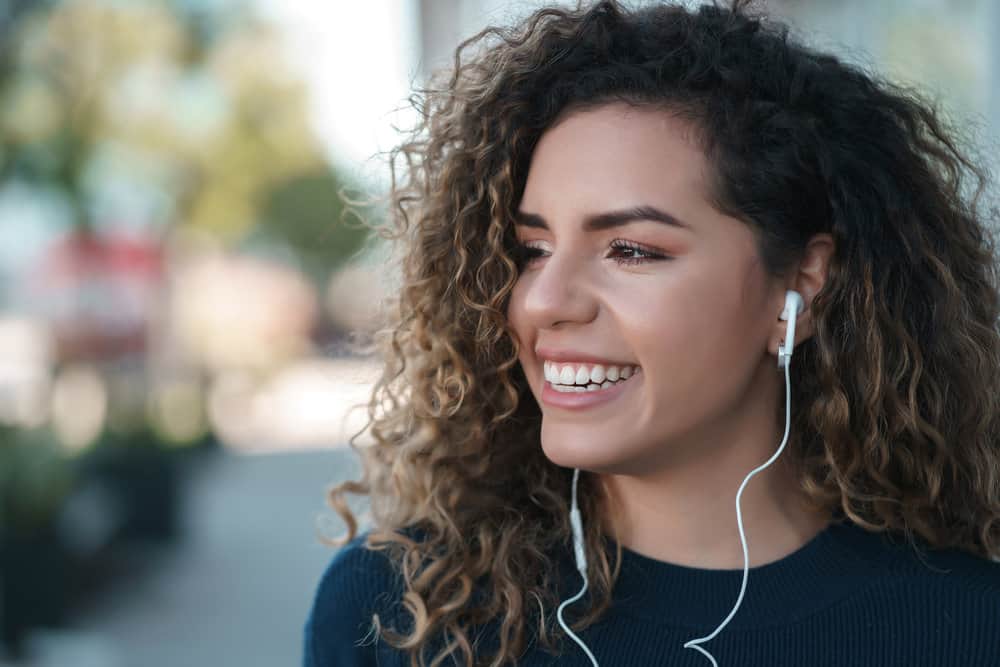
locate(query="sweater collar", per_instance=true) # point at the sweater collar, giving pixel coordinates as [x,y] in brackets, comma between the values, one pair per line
[838,561]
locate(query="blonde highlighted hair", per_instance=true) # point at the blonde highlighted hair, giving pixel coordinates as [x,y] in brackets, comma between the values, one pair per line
[896,425]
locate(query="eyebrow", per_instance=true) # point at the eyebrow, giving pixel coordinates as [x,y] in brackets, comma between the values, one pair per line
[601,221]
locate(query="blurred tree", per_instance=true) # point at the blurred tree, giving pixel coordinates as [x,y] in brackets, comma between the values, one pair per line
[35,477]
[300,212]
[35,480]
[160,113]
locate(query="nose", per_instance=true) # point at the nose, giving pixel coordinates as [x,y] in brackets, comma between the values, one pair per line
[557,289]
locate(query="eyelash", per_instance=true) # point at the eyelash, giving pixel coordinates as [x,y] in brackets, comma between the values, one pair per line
[525,253]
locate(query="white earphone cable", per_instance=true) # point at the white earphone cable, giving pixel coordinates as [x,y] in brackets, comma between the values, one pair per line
[793,306]
[739,521]
[581,565]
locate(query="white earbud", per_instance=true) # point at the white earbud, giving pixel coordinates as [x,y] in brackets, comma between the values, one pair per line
[793,306]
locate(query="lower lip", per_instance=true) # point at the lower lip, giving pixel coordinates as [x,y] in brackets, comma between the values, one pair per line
[579,400]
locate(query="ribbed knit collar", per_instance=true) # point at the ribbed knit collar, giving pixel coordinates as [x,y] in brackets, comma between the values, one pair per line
[838,561]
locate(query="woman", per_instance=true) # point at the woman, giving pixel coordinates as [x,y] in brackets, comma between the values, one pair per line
[612,221]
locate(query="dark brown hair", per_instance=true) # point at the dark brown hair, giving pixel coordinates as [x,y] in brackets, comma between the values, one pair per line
[895,423]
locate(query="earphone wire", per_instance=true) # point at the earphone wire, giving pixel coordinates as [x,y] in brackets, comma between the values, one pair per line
[581,565]
[693,643]
[793,304]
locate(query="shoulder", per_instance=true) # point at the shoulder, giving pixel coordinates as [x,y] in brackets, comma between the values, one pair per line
[952,568]
[356,584]
[356,572]
[956,585]
[929,601]
[948,601]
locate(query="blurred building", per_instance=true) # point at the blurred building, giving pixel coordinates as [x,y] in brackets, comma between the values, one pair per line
[948,47]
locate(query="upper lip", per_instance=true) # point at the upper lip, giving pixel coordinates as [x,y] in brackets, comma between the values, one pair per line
[552,354]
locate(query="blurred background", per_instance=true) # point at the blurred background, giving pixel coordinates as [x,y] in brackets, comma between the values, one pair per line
[183,277]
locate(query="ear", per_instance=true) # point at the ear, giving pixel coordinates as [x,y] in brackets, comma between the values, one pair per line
[808,279]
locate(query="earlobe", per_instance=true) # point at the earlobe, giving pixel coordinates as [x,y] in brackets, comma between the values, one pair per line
[803,329]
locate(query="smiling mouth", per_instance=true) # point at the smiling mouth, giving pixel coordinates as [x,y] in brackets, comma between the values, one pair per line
[591,387]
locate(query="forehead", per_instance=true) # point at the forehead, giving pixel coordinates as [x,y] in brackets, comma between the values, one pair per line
[614,155]
[653,144]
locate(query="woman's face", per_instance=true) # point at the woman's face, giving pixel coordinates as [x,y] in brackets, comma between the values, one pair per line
[682,297]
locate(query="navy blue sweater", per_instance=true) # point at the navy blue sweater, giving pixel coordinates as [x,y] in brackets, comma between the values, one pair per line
[845,598]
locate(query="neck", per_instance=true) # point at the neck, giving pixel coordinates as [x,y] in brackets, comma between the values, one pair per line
[695,524]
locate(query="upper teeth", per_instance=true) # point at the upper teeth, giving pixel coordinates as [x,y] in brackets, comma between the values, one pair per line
[585,373]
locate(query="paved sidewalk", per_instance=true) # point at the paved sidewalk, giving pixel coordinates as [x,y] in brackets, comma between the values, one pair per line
[236,590]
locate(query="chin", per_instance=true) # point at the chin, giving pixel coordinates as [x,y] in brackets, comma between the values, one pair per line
[574,452]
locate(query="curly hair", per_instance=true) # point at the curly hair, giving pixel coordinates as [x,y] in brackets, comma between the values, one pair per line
[896,426]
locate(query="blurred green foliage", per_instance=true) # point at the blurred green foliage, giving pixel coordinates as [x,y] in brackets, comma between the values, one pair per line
[299,212]
[163,114]
[36,476]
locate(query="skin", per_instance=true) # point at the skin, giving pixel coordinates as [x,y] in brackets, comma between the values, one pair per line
[704,326]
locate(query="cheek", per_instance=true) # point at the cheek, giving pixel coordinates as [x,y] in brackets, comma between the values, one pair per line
[662,321]
[700,347]
[516,323]
[513,312]
[514,300]
[676,334]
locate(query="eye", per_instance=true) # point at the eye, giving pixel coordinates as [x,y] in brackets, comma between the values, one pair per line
[634,253]
[642,254]
[524,253]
